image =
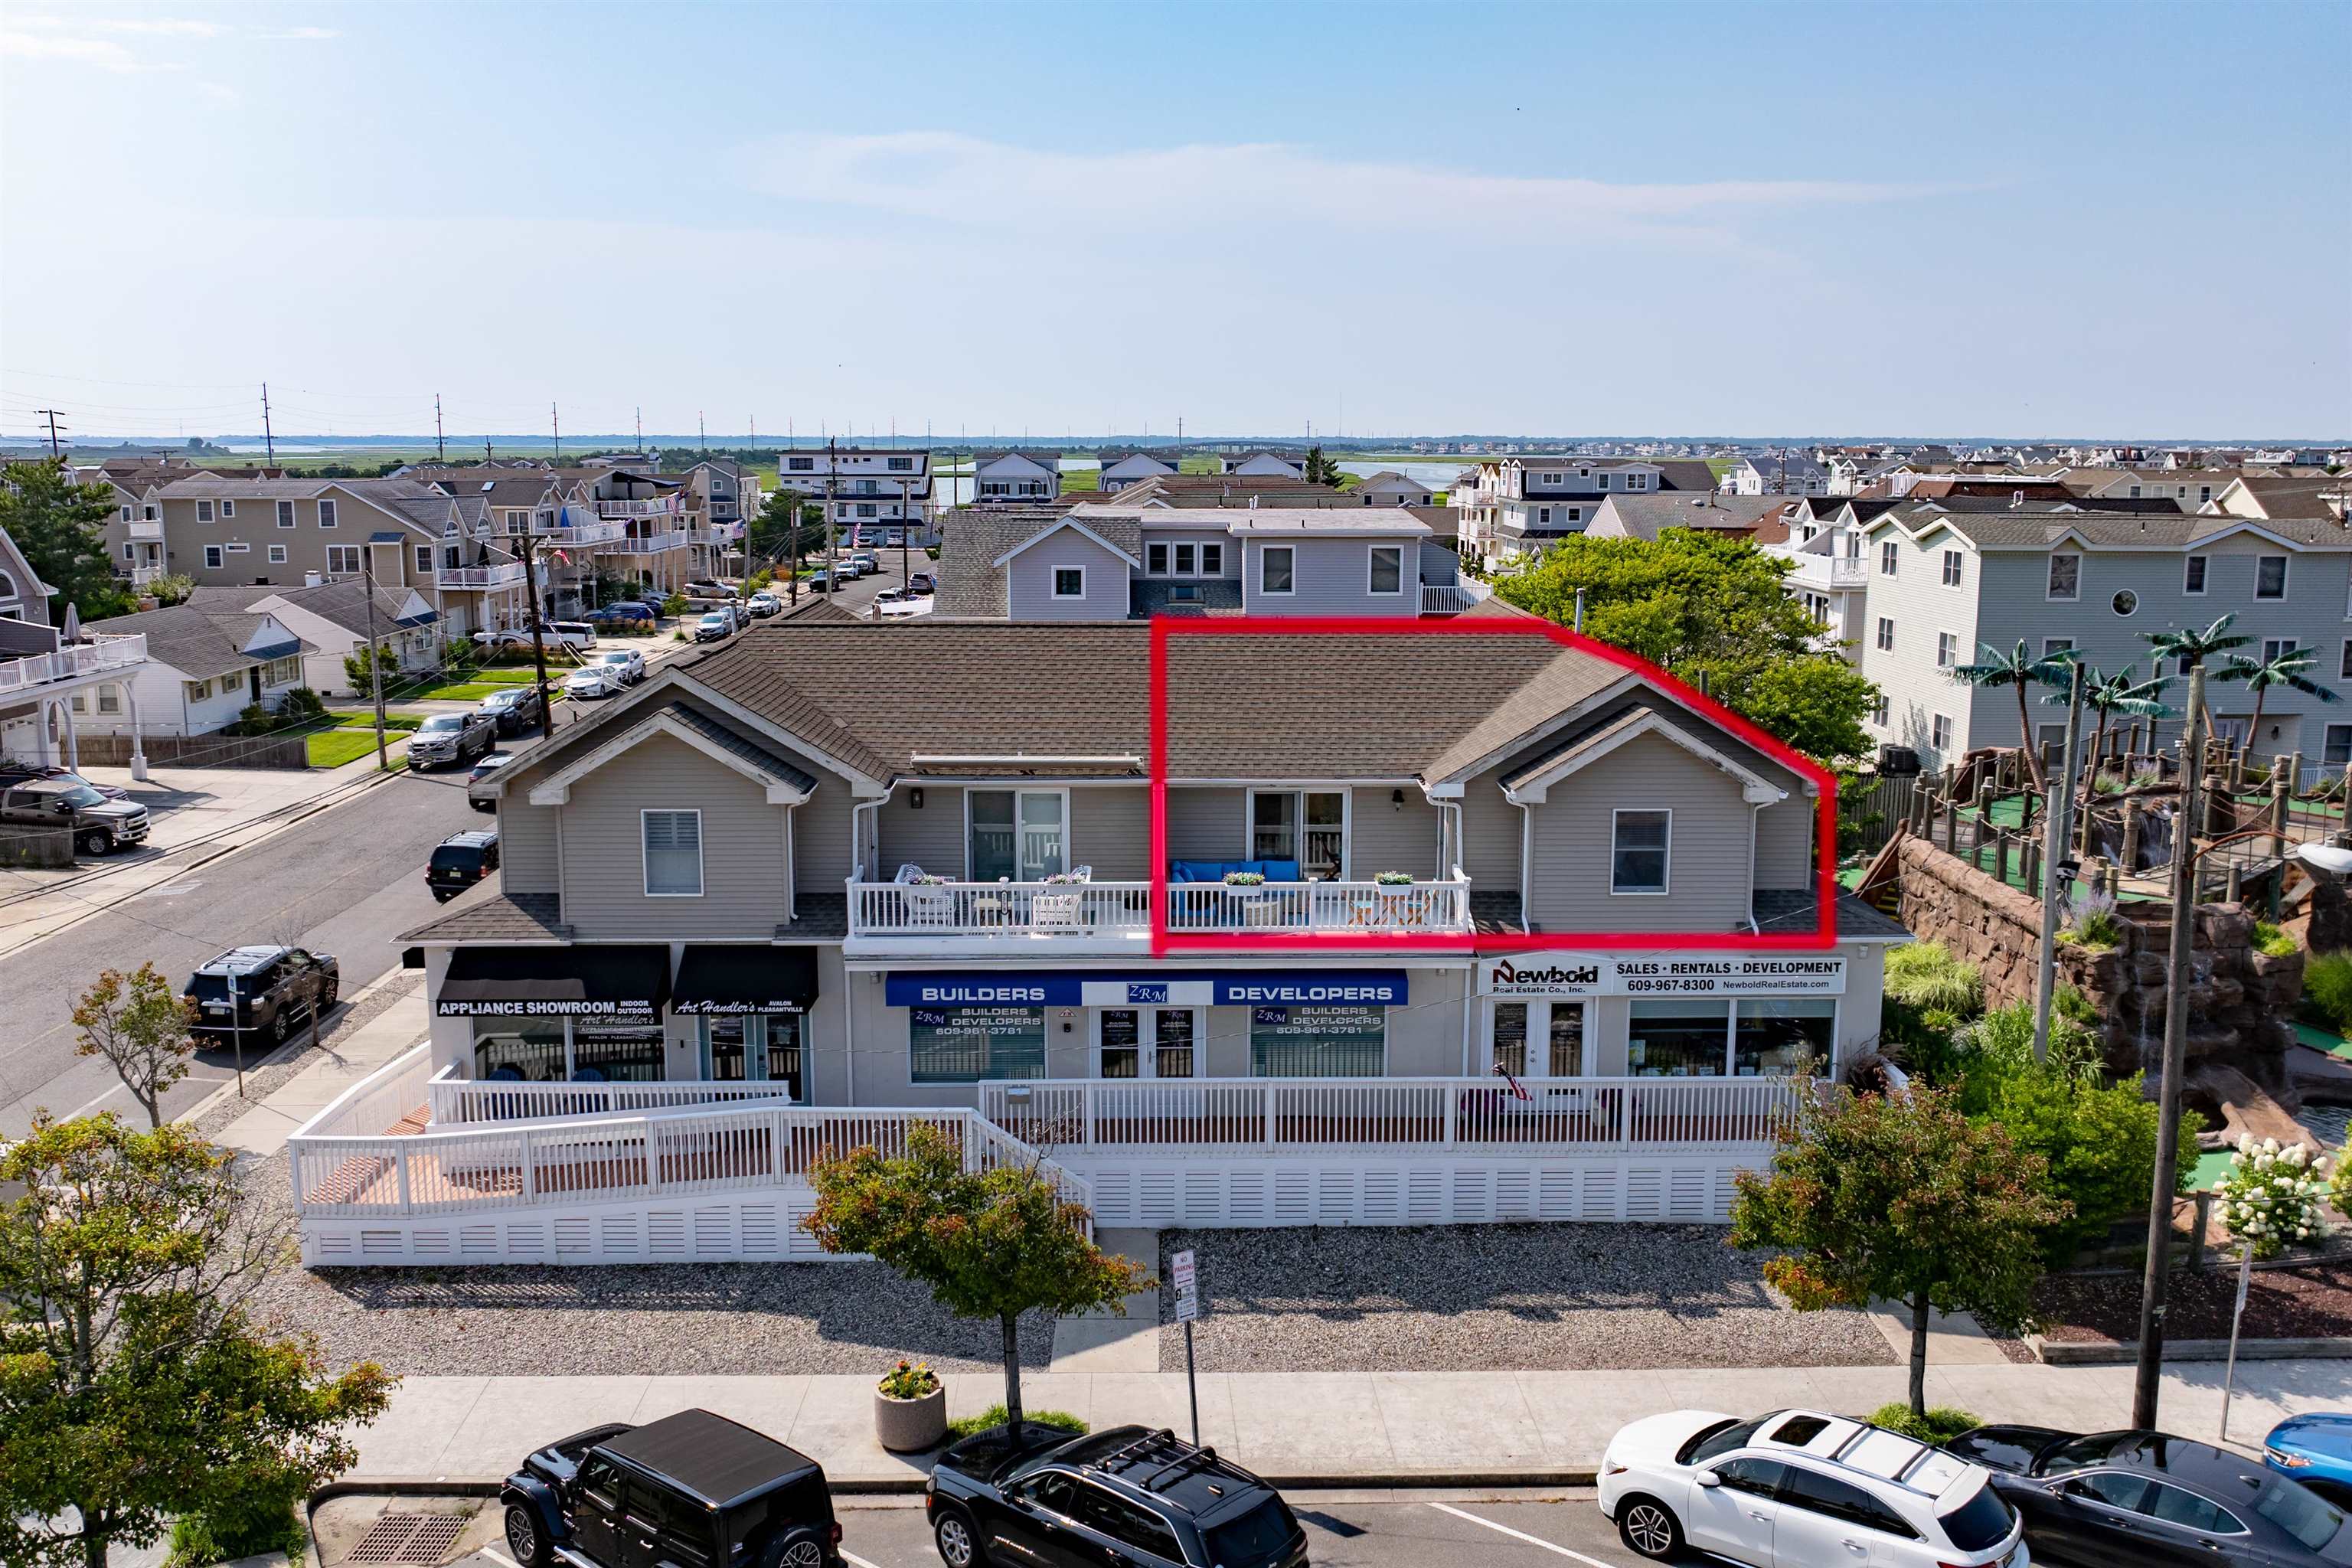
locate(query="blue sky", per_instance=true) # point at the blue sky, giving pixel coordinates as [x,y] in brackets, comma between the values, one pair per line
[1676,219]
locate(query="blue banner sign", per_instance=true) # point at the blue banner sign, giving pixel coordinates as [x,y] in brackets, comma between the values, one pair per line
[1175,988]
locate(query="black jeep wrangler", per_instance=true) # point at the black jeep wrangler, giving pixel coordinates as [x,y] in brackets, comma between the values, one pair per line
[693,1488]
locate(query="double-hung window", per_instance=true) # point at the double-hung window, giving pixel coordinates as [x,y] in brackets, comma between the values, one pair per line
[1212,560]
[203,512]
[326,514]
[1188,555]
[1948,650]
[1388,569]
[424,559]
[1888,557]
[1939,732]
[2192,575]
[213,556]
[2344,670]
[1637,481]
[342,560]
[285,514]
[2065,575]
[1640,851]
[1155,559]
[1951,568]
[2277,647]
[2270,578]
[673,853]
[1309,827]
[228,509]
[1887,634]
[1278,570]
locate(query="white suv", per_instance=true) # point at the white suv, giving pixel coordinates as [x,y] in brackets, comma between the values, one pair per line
[1798,1487]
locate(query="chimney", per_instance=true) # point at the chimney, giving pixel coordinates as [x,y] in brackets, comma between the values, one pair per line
[311,579]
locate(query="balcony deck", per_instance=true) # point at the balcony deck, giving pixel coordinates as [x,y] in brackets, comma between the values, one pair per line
[1074,914]
[108,654]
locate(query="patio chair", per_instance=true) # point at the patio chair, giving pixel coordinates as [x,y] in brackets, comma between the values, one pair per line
[930,906]
[908,872]
[1057,912]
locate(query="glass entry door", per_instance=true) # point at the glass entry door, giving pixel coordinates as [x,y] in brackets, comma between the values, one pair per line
[756,1049]
[1537,1040]
[1145,1042]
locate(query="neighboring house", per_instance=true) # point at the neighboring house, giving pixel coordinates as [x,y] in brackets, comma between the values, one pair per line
[613,517]
[47,680]
[750,896]
[877,494]
[727,497]
[1518,503]
[2254,496]
[1120,469]
[1019,478]
[1217,490]
[1389,488]
[1777,474]
[332,621]
[1267,465]
[1645,516]
[205,665]
[1944,584]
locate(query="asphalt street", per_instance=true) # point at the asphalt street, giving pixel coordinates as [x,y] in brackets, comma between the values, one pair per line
[344,881]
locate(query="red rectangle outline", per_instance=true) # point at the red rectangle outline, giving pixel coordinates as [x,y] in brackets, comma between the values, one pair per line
[1165,942]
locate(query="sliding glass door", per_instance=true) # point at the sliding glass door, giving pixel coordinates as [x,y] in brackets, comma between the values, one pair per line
[1016,835]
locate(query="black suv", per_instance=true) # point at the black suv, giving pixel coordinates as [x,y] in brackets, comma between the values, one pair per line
[692,1488]
[1126,1498]
[459,861]
[264,990]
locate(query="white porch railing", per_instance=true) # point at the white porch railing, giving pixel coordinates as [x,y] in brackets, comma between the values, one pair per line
[380,1101]
[658,505]
[461,1101]
[1820,572]
[581,531]
[1124,908]
[73,662]
[1369,909]
[1237,1115]
[1446,598]
[480,579]
[646,543]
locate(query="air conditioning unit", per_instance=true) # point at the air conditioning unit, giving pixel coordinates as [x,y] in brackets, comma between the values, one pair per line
[1898,761]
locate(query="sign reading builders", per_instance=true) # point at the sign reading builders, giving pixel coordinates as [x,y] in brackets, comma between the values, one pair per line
[1730,975]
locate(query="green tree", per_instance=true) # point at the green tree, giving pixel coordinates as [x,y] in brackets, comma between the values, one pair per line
[2017,670]
[1899,1198]
[138,1023]
[989,1244]
[2098,1142]
[2290,669]
[1320,470]
[59,527]
[1712,610]
[2194,646]
[130,1378]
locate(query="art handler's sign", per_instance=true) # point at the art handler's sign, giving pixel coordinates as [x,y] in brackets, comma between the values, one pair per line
[1736,974]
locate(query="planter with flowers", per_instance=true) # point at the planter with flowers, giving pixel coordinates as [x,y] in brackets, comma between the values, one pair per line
[1400,904]
[1249,893]
[910,1409]
[2271,1199]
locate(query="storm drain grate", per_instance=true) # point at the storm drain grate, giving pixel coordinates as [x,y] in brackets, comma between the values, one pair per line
[409,1538]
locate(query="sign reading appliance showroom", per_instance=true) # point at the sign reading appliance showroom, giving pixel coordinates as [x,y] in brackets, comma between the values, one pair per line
[1564,975]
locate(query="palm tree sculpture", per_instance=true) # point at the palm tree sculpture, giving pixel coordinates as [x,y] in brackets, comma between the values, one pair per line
[2020,669]
[2108,695]
[2193,647]
[2287,668]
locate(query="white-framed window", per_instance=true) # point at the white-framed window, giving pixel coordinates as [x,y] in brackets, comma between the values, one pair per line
[518,522]
[326,513]
[1939,731]
[126,511]
[1155,559]
[2277,647]
[1889,558]
[1188,559]
[1015,836]
[236,547]
[1641,851]
[1948,650]
[2270,578]
[2065,575]
[1951,568]
[1212,560]
[1543,516]
[277,555]
[2056,645]
[213,556]
[1574,513]
[1601,480]
[110,700]
[424,559]
[673,853]
[1069,582]
[2193,573]
[343,560]
[228,509]
[1387,570]
[1309,826]
[203,512]
[1887,634]
[285,514]
[1879,710]
[1277,571]
[1637,481]
[2344,670]
[2204,494]
[2336,749]
[130,550]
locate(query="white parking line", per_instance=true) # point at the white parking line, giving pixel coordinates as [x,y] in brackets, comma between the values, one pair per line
[852,1558]
[494,1555]
[1521,1535]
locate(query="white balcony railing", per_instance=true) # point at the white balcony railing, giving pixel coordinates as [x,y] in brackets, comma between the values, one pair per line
[659,506]
[146,529]
[1820,573]
[646,543]
[1082,909]
[75,661]
[1448,598]
[586,531]
[1240,1115]
[480,579]
[457,1101]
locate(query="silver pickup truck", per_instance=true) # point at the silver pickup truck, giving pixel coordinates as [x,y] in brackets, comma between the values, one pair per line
[100,825]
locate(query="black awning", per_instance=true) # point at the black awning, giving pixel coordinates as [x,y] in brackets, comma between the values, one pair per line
[741,977]
[627,983]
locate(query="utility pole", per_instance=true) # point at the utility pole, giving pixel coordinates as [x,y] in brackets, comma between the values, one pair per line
[701,433]
[440,447]
[485,450]
[375,653]
[538,629]
[56,453]
[268,441]
[793,541]
[2156,1274]
[906,527]
[831,582]
[641,432]
[555,419]
[2054,855]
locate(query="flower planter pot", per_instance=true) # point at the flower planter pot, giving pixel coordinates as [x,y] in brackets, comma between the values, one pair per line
[910,1426]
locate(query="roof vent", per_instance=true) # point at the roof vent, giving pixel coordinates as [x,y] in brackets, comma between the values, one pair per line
[2016,498]
[1253,502]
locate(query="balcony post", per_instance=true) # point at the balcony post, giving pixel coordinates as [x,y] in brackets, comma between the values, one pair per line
[138,743]
[530,1169]
[1453,1107]
[1087,1091]
[1269,1086]
[399,1168]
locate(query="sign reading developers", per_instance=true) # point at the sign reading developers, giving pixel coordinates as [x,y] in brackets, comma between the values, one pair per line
[1724,975]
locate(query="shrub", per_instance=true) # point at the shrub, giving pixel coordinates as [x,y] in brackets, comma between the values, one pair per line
[242,1516]
[674,605]
[2273,943]
[2272,1196]
[1925,975]
[2327,991]
[301,702]
[173,588]
[2099,1142]
[2091,919]
[994,1416]
[1941,1422]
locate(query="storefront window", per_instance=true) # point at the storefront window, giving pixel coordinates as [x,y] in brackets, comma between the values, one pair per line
[513,1051]
[965,1045]
[1318,1042]
[616,1053]
[1568,1039]
[1776,1037]
[760,1047]
[784,1049]
[1678,1039]
[725,1043]
[1122,1042]
[1511,1038]
[1172,1056]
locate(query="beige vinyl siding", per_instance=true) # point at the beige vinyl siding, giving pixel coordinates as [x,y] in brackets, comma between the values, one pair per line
[1207,824]
[527,844]
[1572,845]
[1110,831]
[1784,843]
[931,838]
[604,860]
[1383,836]
[1490,836]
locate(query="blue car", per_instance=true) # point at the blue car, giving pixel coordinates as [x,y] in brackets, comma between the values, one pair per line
[2315,1449]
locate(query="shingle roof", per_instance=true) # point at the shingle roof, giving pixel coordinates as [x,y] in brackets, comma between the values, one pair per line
[195,639]
[735,743]
[1782,910]
[971,541]
[1220,490]
[1643,516]
[487,912]
[343,603]
[2024,528]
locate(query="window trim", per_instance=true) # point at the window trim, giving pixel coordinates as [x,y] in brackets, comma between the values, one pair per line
[1206,546]
[1883,635]
[1372,557]
[645,855]
[1016,790]
[2344,668]
[357,565]
[1176,566]
[2285,570]
[423,559]
[327,512]
[1954,575]
[213,558]
[1666,872]
[1944,720]
[1290,557]
[1947,666]
[1890,558]
[227,508]
[2050,578]
[1155,558]
[1298,794]
[2205,577]
[277,555]
[1053,580]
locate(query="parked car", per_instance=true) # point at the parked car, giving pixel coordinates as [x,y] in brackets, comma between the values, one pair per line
[452,738]
[1121,1496]
[592,681]
[552,634]
[849,568]
[866,562]
[26,773]
[263,990]
[486,768]
[2315,1449]
[763,604]
[511,710]
[459,861]
[923,583]
[693,1488]
[100,825]
[627,661]
[822,580]
[2147,1496]
[1799,1486]
[709,588]
[716,626]
[624,612]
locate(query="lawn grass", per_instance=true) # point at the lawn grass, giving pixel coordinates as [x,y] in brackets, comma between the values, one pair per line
[333,747]
[464,692]
[366,721]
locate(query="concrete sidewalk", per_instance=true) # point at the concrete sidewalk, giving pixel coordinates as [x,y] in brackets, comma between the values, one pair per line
[262,1130]
[1352,1428]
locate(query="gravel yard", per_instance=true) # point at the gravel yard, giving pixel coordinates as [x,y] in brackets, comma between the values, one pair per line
[1479,1298]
